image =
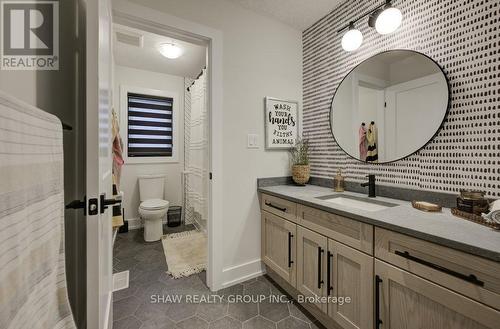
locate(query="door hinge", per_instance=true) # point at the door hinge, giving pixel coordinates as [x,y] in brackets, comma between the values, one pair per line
[210,176]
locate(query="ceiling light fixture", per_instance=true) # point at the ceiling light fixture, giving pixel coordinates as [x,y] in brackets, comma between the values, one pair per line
[352,39]
[169,50]
[384,18]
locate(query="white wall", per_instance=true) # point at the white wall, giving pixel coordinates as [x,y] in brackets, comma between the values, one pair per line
[173,171]
[261,57]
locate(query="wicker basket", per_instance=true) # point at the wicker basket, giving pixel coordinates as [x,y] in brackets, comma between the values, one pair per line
[301,174]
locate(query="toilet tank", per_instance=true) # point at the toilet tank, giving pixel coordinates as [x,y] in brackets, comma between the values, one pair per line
[151,187]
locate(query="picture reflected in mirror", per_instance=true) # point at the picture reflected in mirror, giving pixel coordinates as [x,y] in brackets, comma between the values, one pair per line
[389,106]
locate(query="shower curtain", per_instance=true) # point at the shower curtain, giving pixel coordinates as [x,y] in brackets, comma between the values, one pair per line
[196,154]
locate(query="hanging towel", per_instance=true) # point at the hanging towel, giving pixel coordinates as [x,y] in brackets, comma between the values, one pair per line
[117,150]
[371,137]
[363,147]
[33,290]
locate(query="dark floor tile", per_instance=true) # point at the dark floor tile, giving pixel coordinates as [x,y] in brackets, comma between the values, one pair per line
[129,322]
[158,323]
[124,293]
[300,313]
[243,311]
[193,323]
[125,307]
[257,289]
[150,311]
[259,323]
[225,323]
[148,291]
[292,323]
[212,311]
[181,311]
[273,310]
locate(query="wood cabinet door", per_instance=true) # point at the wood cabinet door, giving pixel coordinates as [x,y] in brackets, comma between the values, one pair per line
[279,246]
[407,301]
[350,276]
[311,265]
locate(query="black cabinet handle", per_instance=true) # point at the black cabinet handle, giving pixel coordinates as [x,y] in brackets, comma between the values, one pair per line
[320,252]
[378,321]
[329,257]
[269,204]
[290,261]
[469,278]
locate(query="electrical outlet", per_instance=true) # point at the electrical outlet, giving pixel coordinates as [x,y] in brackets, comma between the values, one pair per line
[253,141]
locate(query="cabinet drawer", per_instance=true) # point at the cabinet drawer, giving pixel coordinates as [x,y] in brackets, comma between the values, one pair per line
[280,207]
[470,275]
[405,300]
[350,232]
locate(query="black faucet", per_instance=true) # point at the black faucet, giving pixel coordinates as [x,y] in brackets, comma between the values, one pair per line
[371,186]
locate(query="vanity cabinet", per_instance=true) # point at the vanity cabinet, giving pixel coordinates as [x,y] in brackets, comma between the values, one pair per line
[406,301]
[393,280]
[350,274]
[311,264]
[278,246]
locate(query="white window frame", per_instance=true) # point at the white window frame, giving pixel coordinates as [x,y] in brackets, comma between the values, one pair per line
[124,90]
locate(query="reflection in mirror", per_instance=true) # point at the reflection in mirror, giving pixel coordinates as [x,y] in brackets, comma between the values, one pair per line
[389,106]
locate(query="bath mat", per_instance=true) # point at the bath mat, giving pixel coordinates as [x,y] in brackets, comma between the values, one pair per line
[185,252]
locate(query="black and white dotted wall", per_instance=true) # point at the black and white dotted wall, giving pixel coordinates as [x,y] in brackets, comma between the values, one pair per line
[463,37]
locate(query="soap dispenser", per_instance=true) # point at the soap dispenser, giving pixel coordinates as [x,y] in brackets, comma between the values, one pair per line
[338,182]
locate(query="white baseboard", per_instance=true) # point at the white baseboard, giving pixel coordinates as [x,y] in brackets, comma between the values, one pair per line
[243,272]
[134,223]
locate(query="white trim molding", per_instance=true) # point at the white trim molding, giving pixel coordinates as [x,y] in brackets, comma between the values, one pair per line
[242,272]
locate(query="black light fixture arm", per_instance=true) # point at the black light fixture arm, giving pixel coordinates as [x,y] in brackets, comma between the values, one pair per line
[351,23]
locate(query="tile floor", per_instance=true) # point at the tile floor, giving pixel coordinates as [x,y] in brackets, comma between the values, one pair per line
[133,309]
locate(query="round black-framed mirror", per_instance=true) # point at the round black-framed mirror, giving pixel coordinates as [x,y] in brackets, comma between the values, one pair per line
[390,106]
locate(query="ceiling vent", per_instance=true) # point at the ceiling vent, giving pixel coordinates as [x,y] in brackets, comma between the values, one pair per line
[130,38]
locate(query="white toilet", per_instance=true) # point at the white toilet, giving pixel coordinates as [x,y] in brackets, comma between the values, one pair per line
[153,208]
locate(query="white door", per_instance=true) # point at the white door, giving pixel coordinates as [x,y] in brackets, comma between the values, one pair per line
[413,114]
[98,164]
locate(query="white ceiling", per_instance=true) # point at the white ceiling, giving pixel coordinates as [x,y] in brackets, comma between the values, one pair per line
[299,14]
[148,58]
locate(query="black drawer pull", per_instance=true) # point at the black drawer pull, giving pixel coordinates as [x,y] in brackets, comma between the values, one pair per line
[378,321]
[290,261]
[320,252]
[269,204]
[329,257]
[469,278]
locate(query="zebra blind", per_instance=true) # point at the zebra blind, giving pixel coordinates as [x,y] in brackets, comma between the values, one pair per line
[149,126]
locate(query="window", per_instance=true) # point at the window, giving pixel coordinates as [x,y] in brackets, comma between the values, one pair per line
[150,125]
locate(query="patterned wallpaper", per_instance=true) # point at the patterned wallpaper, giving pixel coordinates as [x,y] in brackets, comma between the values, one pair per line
[463,37]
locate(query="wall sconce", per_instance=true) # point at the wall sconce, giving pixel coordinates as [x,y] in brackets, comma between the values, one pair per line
[384,18]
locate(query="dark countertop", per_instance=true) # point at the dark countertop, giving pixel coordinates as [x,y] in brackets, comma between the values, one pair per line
[442,228]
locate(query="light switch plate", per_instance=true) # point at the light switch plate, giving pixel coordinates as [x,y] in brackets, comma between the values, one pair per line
[253,141]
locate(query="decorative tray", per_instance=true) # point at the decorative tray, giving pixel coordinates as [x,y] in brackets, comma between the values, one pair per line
[474,218]
[426,206]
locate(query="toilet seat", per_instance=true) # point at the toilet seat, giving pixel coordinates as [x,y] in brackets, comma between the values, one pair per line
[154,204]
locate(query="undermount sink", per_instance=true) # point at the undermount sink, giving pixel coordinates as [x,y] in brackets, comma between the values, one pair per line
[358,203]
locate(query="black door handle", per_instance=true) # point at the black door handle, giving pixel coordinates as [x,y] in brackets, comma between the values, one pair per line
[320,252]
[78,204]
[269,204]
[290,261]
[378,321]
[469,278]
[108,202]
[329,257]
